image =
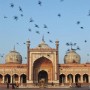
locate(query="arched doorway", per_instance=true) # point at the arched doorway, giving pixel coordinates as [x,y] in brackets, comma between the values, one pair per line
[23,78]
[7,78]
[39,68]
[70,78]
[15,78]
[77,78]
[43,75]
[85,78]
[62,78]
[1,78]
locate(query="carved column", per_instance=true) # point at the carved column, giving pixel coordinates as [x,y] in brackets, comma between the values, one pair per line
[73,78]
[81,78]
[28,48]
[66,79]
[89,78]
[57,59]
[11,79]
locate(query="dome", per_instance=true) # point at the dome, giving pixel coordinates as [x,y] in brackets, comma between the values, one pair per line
[71,57]
[13,57]
[43,45]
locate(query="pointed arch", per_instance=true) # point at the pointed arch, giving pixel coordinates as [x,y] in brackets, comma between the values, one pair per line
[1,78]
[23,78]
[77,78]
[85,78]
[70,78]
[62,78]
[7,78]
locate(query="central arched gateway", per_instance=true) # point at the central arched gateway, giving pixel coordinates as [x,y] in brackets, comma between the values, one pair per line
[43,76]
[42,69]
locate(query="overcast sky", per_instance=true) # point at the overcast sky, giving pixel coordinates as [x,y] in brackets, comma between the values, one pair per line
[60,17]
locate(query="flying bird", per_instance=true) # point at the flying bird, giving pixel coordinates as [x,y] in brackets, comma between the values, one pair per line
[67,44]
[40,3]
[21,15]
[48,32]
[5,17]
[20,9]
[85,41]
[24,43]
[61,0]
[16,18]
[12,5]
[78,48]
[29,30]
[78,22]
[51,41]
[31,20]
[36,26]
[38,32]
[82,27]
[45,26]
[17,43]
[59,15]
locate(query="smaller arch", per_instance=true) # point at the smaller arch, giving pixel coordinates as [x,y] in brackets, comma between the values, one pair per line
[77,78]
[1,78]
[15,78]
[23,78]
[85,78]
[43,75]
[70,78]
[7,78]
[62,78]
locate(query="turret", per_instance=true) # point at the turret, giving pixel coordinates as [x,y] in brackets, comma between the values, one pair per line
[57,59]
[28,51]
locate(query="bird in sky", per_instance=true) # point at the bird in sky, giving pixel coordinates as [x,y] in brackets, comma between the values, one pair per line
[50,41]
[68,50]
[85,41]
[74,44]
[61,0]
[16,18]
[78,48]
[89,13]
[67,44]
[21,15]
[48,32]
[31,20]
[39,2]
[45,26]
[78,22]
[24,43]
[36,26]
[38,32]
[1,55]
[20,9]
[59,15]
[29,30]
[17,43]
[11,5]
[5,17]
[82,27]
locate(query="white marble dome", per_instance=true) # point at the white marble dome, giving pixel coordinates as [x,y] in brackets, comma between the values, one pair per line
[13,57]
[72,57]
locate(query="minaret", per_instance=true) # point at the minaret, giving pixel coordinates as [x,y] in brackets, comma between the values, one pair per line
[28,54]
[57,59]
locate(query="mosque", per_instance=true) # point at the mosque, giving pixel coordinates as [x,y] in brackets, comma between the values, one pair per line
[43,63]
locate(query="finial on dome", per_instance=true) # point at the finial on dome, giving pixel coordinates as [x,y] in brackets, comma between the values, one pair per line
[14,48]
[43,38]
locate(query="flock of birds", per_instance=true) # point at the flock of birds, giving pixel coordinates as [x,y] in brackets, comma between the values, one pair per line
[31,20]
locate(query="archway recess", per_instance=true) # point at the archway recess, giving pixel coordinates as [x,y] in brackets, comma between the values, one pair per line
[42,75]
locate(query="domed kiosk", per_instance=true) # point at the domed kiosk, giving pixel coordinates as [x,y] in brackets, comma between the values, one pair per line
[72,57]
[13,57]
